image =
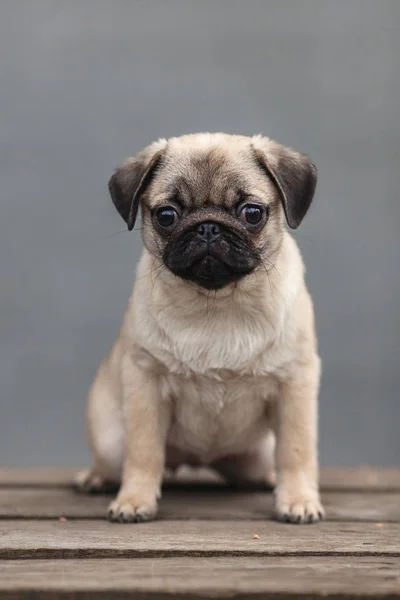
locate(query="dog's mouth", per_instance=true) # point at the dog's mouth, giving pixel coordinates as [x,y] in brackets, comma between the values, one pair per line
[211,268]
[211,273]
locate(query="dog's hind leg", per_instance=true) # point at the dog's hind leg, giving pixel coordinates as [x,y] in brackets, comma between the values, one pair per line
[106,436]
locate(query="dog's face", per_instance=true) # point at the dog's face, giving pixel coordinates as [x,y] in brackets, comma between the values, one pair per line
[213,204]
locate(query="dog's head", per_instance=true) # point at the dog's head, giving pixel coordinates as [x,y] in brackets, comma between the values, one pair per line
[213,204]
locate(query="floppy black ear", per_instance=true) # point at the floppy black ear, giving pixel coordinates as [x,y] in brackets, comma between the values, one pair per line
[130,180]
[294,175]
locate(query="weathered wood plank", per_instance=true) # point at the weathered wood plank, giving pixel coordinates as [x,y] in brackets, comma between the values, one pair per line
[360,478]
[214,505]
[99,539]
[37,477]
[346,479]
[266,577]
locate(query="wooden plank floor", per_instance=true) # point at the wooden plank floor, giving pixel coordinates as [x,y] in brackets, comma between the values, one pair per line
[209,541]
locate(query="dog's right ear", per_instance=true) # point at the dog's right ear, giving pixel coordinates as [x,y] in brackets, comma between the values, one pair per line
[131,179]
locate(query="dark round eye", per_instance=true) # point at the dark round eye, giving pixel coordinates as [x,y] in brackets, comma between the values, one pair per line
[252,214]
[166,216]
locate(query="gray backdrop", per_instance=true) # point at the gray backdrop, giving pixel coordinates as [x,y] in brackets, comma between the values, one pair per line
[84,83]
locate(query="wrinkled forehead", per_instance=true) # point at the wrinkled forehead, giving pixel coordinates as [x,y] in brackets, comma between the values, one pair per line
[214,176]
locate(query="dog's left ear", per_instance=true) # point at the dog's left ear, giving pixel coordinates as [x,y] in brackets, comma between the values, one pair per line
[293,173]
[131,179]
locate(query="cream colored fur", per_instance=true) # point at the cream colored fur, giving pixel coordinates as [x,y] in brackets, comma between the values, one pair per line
[205,378]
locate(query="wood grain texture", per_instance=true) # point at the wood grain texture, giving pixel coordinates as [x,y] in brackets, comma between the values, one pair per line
[198,503]
[202,545]
[256,577]
[100,539]
[350,479]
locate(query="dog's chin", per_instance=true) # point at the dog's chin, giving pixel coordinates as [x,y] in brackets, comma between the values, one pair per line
[210,272]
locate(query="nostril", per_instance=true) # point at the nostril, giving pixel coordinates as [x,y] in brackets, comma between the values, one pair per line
[201,230]
[214,229]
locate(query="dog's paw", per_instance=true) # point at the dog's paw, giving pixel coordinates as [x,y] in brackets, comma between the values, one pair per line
[301,508]
[89,482]
[132,509]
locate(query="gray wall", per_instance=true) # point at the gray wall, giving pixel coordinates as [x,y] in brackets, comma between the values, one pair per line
[85,83]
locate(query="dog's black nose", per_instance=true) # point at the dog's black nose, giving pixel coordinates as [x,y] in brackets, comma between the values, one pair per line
[208,232]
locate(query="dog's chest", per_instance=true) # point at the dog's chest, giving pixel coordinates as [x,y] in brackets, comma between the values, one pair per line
[212,418]
[218,368]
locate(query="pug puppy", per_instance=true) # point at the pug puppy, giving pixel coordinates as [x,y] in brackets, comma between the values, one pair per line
[216,362]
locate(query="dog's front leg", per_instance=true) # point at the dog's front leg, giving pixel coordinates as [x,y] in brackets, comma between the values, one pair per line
[146,418]
[297,494]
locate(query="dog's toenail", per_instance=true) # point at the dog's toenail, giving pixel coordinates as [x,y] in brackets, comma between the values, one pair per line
[139,518]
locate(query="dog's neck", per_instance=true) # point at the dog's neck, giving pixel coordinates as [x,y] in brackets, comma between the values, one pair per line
[189,330]
[181,325]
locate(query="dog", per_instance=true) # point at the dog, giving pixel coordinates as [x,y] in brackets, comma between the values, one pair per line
[216,362]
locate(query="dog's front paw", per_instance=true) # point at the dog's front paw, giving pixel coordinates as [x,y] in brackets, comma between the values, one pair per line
[302,507]
[132,509]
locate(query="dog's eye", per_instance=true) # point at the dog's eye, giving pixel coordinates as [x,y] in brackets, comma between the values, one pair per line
[166,216]
[252,214]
